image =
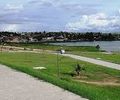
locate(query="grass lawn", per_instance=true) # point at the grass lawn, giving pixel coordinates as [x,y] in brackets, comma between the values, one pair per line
[93,73]
[79,50]
[114,57]
[54,47]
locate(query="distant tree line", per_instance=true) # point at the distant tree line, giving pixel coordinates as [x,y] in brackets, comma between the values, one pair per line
[69,36]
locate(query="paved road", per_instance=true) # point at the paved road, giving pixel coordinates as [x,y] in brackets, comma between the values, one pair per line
[94,61]
[19,86]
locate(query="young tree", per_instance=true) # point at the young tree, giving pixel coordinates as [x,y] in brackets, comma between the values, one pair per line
[98,47]
[78,69]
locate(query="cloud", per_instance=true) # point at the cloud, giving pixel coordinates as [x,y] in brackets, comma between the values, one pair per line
[13,8]
[43,3]
[49,14]
[10,27]
[15,19]
[95,22]
[119,11]
[52,15]
[26,27]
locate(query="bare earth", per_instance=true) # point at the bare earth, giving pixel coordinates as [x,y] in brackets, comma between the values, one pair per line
[19,86]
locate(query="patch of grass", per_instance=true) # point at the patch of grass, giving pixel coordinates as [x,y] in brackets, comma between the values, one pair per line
[46,46]
[26,61]
[87,51]
[113,57]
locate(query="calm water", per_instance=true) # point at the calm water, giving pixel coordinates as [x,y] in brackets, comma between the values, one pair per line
[105,45]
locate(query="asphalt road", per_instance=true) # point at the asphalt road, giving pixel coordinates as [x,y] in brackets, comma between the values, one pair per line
[19,86]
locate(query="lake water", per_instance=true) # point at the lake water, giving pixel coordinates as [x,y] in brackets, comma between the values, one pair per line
[105,45]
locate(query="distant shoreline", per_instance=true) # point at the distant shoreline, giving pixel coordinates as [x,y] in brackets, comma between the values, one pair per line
[75,41]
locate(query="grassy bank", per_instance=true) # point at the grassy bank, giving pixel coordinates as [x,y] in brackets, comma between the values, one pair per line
[87,51]
[111,57]
[26,61]
[46,46]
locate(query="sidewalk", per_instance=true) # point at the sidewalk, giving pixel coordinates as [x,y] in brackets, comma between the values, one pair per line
[19,86]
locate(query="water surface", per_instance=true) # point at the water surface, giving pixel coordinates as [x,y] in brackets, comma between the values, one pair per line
[105,45]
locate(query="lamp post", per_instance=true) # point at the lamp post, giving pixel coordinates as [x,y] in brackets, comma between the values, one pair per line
[58,60]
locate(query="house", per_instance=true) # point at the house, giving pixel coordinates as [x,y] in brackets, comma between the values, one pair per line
[48,39]
[15,39]
[60,38]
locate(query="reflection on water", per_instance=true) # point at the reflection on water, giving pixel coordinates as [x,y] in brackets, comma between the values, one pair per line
[105,45]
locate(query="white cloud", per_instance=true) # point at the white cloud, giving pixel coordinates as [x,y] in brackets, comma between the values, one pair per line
[119,11]
[54,14]
[44,2]
[10,27]
[95,22]
[16,8]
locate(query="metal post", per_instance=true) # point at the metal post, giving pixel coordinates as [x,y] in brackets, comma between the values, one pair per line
[58,67]
[58,61]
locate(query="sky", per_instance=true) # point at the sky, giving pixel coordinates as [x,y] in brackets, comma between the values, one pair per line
[60,15]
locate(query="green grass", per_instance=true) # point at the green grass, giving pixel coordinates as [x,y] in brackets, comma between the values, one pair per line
[26,61]
[87,51]
[114,57]
[46,46]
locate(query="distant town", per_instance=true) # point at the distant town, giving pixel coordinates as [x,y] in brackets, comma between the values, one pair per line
[25,37]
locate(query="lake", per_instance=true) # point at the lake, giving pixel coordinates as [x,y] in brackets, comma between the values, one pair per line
[104,45]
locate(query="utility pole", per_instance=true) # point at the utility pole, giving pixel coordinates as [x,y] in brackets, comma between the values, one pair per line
[58,60]
[58,67]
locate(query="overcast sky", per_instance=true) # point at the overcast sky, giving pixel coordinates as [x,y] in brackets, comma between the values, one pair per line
[60,15]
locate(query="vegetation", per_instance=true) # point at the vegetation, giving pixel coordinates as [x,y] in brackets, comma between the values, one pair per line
[26,61]
[46,46]
[55,36]
[87,51]
[111,57]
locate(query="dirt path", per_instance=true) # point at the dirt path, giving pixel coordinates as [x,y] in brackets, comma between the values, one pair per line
[94,61]
[100,83]
[19,86]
